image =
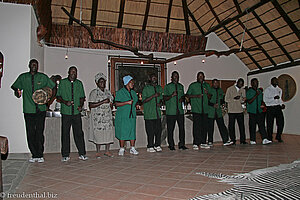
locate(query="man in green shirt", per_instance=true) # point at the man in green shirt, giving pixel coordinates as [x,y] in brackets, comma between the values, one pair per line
[71,95]
[254,108]
[174,97]
[34,114]
[215,114]
[152,97]
[198,95]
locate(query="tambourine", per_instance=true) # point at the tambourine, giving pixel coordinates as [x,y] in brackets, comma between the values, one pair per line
[42,96]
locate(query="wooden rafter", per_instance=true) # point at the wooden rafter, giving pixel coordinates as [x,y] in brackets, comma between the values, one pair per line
[195,21]
[186,17]
[146,14]
[231,35]
[272,36]
[121,13]
[256,42]
[238,8]
[286,18]
[94,12]
[73,6]
[169,15]
[269,69]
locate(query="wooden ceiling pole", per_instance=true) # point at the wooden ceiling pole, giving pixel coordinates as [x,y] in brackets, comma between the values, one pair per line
[231,35]
[169,15]
[272,36]
[94,12]
[237,5]
[186,17]
[73,6]
[121,13]
[256,42]
[195,21]
[286,18]
[146,15]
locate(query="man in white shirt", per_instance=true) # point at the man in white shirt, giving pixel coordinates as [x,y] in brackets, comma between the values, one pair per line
[273,101]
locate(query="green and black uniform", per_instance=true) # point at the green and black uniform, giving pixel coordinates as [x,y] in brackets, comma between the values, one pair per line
[71,91]
[217,97]
[152,114]
[199,111]
[256,115]
[175,113]
[34,114]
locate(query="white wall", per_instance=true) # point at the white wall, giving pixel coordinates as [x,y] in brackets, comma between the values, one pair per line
[292,110]
[15,23]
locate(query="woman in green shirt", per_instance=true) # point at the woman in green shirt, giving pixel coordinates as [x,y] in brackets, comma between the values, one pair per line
[125,123]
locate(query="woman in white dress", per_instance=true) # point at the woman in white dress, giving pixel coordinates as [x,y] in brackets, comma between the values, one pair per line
[101,129]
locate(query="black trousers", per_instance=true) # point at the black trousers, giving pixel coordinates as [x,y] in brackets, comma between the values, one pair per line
[35,124]
[76,123]
[221,126]
[153,130]
[272,113]
[171,121]
[231,126]
[199,128]
[258,119]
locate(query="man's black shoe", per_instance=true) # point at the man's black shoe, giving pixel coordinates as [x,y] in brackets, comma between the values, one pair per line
[172,148]
[279,140]
[244,142]
[183,147]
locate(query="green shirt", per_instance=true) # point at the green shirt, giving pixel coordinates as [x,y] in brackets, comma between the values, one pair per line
[151,110]
[217,95]
[255,105]
[171,107]
[197,104]
[24,82]
[65,92]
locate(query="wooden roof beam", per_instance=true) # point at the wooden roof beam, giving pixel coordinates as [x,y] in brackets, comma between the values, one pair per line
[286,18]
[231,35]
[237,5]
[256,42]
[72,12]
[186,17]
[169,15]
[94,12]
[195,21]
[121,13]
[146,15]
[272,36]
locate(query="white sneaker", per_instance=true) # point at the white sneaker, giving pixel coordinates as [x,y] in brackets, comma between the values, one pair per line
[133,151]
[83,157]
[40,160]
[195,147]
[266,141]
[65,159]
[150,150]
[204,146]
[228,143]
[32,160]
[252,142]
[158,148]
[121,152]
[210,144]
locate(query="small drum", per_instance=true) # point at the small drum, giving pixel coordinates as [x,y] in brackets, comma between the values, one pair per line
[42,96]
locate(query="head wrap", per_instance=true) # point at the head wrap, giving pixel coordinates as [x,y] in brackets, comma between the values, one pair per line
[99,76]
[126,79]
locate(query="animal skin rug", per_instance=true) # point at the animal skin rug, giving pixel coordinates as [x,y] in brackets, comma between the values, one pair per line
[280,182]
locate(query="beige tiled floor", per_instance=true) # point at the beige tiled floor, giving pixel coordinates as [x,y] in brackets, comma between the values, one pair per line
[165,175]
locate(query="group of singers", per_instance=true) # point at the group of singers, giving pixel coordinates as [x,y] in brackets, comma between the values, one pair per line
[206,102]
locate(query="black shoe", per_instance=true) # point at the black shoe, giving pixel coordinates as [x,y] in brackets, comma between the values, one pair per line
[172,148]
[183,147]
[233,142]
[280,140]
[244,142]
